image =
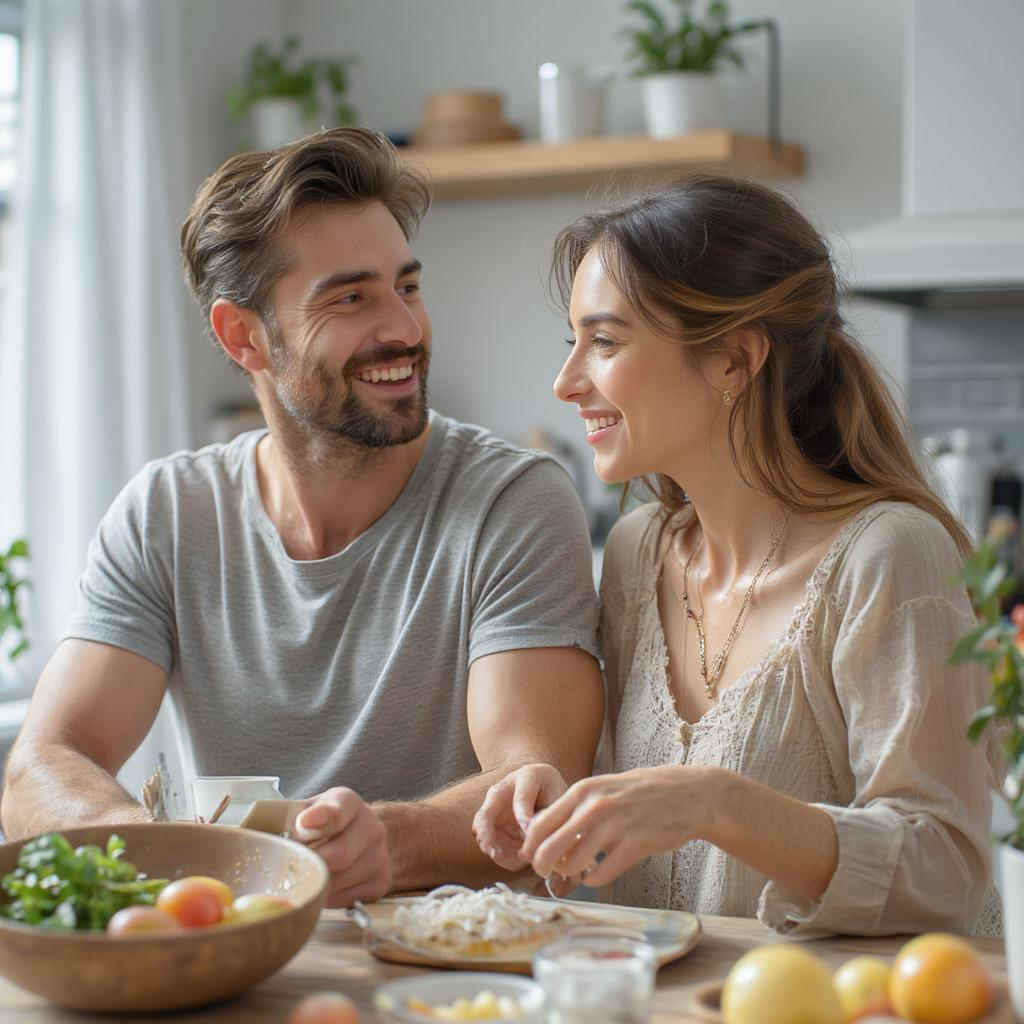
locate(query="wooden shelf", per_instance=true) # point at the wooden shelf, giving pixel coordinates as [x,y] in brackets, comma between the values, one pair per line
[531,167]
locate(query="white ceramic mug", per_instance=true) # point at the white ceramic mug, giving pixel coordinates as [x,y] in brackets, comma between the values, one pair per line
[208,791]
[572,102]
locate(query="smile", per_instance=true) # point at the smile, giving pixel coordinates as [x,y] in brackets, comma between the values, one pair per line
[385,373]
[600,423]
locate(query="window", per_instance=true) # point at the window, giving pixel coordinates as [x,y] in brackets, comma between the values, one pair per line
[13,681]
[8,108]
[10,87]
[10,66]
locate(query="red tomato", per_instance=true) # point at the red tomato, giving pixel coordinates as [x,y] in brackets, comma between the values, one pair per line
[194,903]
[256,906]
[141,921]
[324,1008]
[222,889]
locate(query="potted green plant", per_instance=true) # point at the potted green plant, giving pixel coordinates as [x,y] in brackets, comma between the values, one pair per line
[10,611]
[285,95]
[679,61]
[998,643]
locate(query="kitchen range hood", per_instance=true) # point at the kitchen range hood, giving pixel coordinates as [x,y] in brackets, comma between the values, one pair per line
[960,237]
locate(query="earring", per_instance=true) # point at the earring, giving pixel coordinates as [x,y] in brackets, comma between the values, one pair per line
[727,397]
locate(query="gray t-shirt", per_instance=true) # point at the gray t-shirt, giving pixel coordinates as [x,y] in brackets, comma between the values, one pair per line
[349,670]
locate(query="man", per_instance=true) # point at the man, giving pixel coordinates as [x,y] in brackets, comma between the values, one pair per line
[370,600]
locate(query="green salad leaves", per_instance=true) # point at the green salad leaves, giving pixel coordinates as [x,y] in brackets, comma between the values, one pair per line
[57,886]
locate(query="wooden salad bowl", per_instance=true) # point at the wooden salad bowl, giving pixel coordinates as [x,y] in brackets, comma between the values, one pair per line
[92,971]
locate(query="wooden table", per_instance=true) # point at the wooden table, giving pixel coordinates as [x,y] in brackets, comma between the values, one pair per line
[334,959]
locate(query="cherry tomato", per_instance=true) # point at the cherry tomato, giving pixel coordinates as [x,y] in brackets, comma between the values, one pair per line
[141,921]
[1017,616]
[324,1008]
[257,906]
[192,902]
[222,889]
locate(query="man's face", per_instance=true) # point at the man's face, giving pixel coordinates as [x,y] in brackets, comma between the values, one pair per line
[350,337]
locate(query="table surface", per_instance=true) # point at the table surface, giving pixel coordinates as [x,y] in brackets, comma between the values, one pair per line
[335,959]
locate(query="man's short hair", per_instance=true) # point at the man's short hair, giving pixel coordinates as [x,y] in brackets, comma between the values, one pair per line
[229,239]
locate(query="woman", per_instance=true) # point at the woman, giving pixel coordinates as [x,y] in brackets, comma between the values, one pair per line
[788,738]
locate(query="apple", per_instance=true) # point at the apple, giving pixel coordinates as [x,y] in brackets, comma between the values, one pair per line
[258,906]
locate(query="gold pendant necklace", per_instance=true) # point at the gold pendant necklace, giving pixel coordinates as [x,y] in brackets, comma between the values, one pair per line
[718,663]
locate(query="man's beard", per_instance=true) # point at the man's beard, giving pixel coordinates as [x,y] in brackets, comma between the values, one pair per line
[323,403]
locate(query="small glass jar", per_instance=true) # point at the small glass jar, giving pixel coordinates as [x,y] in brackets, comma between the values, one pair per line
[597,976]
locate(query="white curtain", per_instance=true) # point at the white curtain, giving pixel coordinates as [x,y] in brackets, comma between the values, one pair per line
[92,364]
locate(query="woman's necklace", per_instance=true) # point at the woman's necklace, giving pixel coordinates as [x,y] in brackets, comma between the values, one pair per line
[718,663]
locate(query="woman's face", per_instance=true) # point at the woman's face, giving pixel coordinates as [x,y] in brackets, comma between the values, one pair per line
[646,406]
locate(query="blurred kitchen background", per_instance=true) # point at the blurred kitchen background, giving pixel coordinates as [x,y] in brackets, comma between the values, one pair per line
[905,140]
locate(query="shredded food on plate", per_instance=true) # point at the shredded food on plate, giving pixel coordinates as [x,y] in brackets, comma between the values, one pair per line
[476,921]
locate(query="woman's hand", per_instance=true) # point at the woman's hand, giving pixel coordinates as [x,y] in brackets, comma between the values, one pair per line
[509,807]
[625,818]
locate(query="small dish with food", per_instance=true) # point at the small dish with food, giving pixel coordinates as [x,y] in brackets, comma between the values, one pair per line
[475,996]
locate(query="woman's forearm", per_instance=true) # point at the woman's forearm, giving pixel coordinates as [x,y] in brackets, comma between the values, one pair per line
[791,842]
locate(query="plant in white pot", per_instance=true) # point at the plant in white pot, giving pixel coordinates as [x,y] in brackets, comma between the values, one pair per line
[11,583]
[286,97]
[679,64]
[998,643]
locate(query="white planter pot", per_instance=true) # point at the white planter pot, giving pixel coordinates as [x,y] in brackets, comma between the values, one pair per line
[1011,863]
[277,122]
[678,102]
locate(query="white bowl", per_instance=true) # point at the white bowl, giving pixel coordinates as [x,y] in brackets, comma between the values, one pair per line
[444,987]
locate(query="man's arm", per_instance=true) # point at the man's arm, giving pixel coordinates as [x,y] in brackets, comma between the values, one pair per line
[523,706]
[91,708]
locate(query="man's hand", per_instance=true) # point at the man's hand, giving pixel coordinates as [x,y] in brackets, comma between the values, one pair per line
[350,838]
[510,805]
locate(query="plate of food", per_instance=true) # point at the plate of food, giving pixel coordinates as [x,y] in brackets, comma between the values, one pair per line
[497,929]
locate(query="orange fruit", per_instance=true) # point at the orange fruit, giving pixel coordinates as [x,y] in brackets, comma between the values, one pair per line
[863,987]
[780,984]
[939,979]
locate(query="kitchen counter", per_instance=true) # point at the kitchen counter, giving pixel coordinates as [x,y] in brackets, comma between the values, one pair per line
[335,959]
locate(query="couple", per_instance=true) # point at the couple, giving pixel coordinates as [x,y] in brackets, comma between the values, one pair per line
[394,611]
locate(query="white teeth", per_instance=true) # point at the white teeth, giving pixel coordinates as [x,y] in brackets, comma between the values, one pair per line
[391,373]
[600,423]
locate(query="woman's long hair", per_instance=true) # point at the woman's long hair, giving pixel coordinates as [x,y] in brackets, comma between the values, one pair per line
[706,257]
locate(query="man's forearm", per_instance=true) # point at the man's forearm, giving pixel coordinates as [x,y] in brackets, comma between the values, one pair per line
[430,842]
[45,791]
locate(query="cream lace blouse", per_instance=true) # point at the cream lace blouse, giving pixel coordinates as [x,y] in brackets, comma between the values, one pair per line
[854,709]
